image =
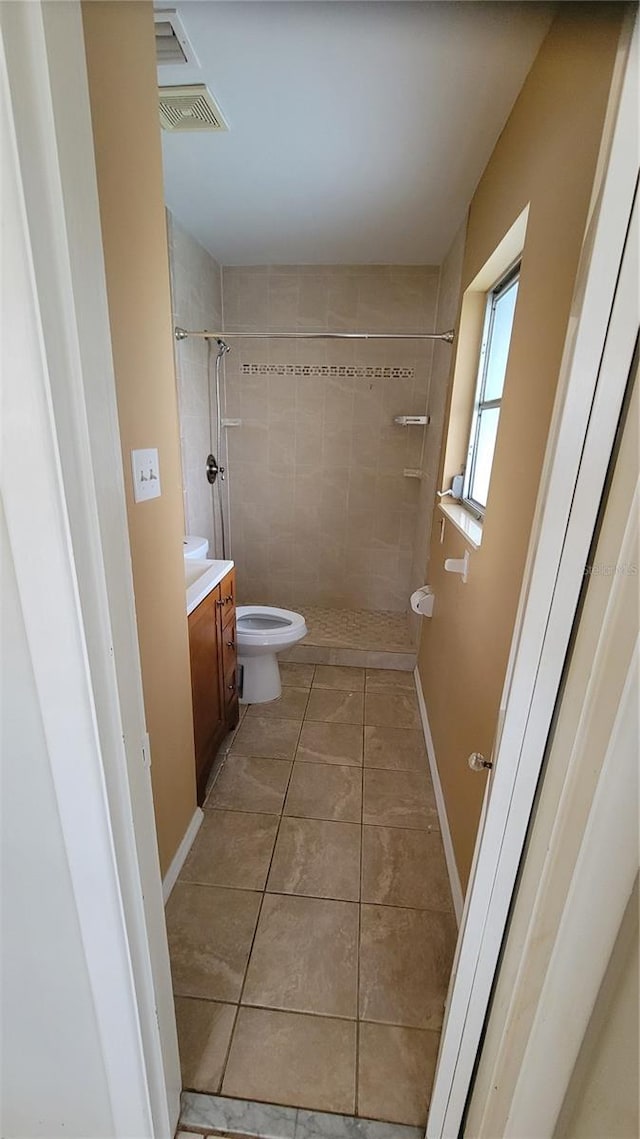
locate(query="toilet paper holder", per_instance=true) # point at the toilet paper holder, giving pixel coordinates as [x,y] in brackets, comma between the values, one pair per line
[422,601]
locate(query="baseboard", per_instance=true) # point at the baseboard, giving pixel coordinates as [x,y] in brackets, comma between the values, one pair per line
[356,658]
[452,869]
[178,860]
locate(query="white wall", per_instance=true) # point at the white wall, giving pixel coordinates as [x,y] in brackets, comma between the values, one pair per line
[52,1076]
[603,1093]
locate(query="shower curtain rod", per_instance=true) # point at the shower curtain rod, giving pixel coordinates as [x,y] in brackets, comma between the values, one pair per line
[183,334]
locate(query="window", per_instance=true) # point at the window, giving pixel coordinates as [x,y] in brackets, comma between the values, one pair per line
[498,322]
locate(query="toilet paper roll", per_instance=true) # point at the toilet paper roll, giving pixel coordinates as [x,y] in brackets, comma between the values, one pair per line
[422,601]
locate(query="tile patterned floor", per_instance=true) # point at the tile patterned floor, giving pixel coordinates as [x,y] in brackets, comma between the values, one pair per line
[375,631]
[311,930]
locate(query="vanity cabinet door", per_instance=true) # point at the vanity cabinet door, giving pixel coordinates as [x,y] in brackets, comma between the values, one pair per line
[209,712]
[229,651]
[230,672]
[228,598]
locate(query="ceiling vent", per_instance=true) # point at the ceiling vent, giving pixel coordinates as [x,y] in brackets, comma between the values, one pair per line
[191,108]
[172,45]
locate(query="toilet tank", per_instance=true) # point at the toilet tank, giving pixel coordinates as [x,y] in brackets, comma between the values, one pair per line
[195,547]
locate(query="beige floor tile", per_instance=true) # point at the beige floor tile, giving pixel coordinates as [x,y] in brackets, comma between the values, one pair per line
[320,791]
[404,868]
[330,743]
[296,675]
[397,708]
[210,932]
[339,676]
[382,679]
[397,749]
[334,706]
[232,849]
[290,706]
[204,1033]
[405,962]
[292,1059]
[249,783]
[304,957]
[399,799]
[396,1067]
[317,859]
[269,737]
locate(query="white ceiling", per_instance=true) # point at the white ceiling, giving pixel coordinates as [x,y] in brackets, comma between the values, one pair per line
[358,130]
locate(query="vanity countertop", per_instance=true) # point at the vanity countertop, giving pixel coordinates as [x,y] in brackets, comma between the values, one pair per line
[201,576]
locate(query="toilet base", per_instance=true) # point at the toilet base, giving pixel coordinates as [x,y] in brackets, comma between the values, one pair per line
[260,678]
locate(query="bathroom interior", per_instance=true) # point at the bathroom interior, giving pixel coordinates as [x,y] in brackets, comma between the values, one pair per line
[369,181]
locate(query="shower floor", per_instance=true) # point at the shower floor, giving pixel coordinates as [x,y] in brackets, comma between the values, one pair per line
[358,629]
[360,637]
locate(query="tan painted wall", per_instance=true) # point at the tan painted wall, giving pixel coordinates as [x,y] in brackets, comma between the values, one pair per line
[546,156]
[122,83]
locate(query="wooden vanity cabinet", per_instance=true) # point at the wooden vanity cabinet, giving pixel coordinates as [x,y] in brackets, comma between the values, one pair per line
[214,687]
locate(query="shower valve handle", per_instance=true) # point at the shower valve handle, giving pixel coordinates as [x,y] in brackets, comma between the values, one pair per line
[213,470]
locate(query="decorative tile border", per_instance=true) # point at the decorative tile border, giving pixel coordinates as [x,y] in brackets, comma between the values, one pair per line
[266,1121]
[357,371]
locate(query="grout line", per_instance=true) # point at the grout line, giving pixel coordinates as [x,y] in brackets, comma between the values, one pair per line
[298,1012]
[255,931]
[431,828]
[359,945]
[316,898]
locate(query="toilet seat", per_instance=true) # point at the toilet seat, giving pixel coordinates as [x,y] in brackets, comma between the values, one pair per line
[267,625]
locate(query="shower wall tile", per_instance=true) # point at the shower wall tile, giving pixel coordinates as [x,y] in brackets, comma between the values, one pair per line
[321,513]
[449,298]
[196,289]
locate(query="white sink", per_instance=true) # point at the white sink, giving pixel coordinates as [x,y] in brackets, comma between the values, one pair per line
[201,576]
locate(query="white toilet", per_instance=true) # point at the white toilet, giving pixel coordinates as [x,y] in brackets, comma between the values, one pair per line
[195,547]
[261,632]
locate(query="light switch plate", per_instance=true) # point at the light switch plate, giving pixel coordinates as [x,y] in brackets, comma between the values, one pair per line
[146,474]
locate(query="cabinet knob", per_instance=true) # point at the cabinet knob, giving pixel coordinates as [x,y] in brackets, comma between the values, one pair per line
[231,687]
[231,644]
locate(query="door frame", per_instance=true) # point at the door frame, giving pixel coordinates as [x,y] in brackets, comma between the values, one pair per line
[76,423]
[63,489]
[598,352]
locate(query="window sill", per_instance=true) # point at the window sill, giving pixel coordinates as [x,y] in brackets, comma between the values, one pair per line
[464,521]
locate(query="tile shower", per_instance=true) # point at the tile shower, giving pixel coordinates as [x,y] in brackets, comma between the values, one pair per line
[322,513]
[329,502]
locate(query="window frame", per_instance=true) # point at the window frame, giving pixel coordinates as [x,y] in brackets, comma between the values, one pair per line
[480,405]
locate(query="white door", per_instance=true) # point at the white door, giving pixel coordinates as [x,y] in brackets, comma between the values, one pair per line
[596,365]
